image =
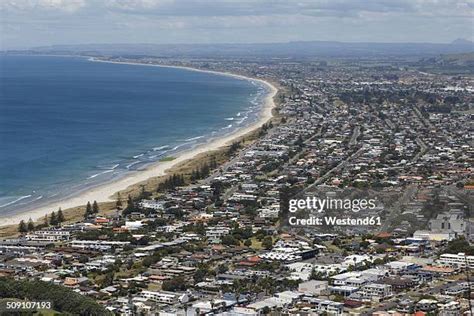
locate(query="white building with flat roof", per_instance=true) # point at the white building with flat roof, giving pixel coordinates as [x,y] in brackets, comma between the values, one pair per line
[459,260]
[102,245]
[376,291]
[49,235]
[160,297]
[152,204]
[217,231]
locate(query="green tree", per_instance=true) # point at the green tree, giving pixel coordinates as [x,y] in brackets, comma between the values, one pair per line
[88,210]
[22,228]
[95,207]
[201,272]
[460,245]
[83,258]
[118,204]
[60,216]
[222,268]
[53,220]
[248,243]
[176,284]
[266,310]
[108,280]
[130,206]
[64,300]
[267,242]
[31,225]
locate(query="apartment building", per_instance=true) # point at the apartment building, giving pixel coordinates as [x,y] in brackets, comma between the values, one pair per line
[49,235]
[459,260]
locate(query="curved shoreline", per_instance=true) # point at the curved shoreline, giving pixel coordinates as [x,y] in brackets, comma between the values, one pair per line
[104,192]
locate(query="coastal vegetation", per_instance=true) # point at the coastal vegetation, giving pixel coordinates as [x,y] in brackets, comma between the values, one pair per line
[63,299]
[169,158]
[91,210]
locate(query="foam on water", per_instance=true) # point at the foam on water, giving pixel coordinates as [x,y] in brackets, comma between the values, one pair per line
[71,88]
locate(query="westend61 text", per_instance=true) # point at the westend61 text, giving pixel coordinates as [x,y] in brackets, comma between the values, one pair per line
[335,221]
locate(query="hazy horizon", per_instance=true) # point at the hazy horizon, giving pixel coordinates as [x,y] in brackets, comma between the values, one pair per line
[249,43]
[32,23]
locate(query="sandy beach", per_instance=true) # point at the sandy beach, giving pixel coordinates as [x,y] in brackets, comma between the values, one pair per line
[103,193]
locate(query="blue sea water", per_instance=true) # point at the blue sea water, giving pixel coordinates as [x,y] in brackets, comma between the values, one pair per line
[68,123]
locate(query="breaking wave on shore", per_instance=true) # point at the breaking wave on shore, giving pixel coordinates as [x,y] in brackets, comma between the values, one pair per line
[116,167]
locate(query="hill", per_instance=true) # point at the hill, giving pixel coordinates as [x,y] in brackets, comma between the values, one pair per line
[299,49]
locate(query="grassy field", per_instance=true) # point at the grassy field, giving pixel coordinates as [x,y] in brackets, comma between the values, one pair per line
[167,159]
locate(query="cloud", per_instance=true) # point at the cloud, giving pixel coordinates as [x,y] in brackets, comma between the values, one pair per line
[248,7]
[68,6]
[29,22]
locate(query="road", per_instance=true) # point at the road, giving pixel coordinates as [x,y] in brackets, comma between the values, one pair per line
[341,165]
[355,135]
[407,195]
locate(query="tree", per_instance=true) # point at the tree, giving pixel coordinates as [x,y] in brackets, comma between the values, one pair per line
[233,148]
[107,280]
[267,242]
[64,300]
[200,274]
[460,245]
[46,221]
[31,225]
[60,216]
[176,284]
[130,205]
[95,207]
[266,310]
[118,204]
[22,228]
[53,220]
[83,258]
[144,194]
[248,243]
[222,268]
[229,240]
[88,210]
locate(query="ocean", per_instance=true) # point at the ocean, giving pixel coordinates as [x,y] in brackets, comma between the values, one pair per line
[68,123]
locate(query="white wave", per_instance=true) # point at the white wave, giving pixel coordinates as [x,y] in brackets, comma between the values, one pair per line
[138,156]
[133,163]
[239,114]
[229,119]
[242,120]
[152,157]
[38,198]
[193,138]
[115,166]
[227,127]
[17,200]
[100,173]
[176,147]
[160,148]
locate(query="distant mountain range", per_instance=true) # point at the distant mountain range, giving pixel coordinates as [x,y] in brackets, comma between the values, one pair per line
[278,50]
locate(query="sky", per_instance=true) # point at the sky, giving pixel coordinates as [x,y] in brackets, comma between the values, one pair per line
[31,23]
